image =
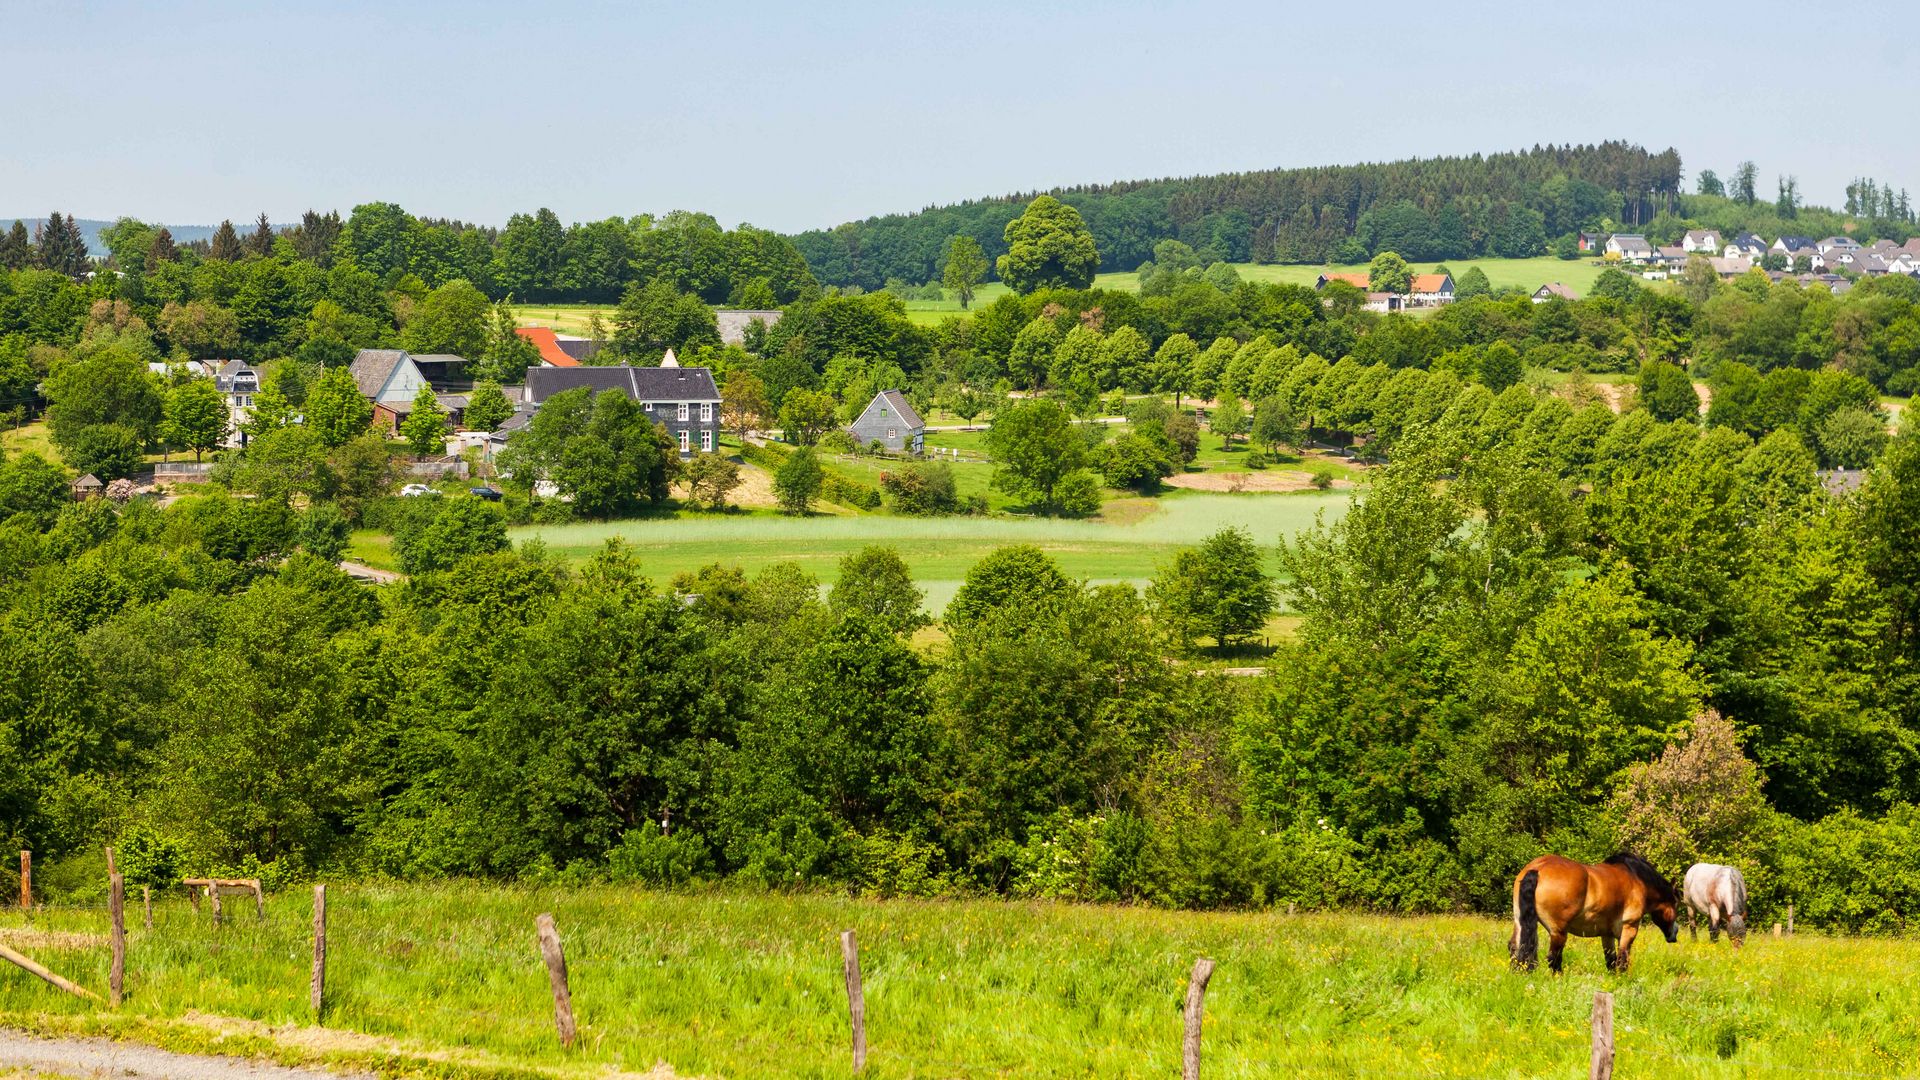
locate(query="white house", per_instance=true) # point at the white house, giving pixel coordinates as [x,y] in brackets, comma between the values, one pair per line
[1704,241]
[1745,246]
[1629,247]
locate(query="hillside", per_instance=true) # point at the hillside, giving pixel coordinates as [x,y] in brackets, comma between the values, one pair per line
[1506,204]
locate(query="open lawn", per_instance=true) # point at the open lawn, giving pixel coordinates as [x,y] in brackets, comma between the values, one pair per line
[564,318]
[445,981]
[1143,535]
[30,437]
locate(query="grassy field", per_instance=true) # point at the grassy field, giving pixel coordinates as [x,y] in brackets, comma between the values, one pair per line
[31,437]
[1530,274]
[445,981]
[939,550]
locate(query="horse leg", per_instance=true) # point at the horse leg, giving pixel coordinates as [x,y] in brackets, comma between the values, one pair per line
[1627,934]
[1693,927]
[1556,944]
[1607,950]
[1714,921]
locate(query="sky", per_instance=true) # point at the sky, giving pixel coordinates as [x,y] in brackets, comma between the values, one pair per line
[794,116]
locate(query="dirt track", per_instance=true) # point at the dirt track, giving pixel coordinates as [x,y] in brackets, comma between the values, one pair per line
[132,1061]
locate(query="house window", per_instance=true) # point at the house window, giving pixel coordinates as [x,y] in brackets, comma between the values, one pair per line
[683,410]
[893,433]
[706,439]
[706,412]
[684,433]
[647,406]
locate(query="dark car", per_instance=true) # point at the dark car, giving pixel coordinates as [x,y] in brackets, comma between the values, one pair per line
[488,493]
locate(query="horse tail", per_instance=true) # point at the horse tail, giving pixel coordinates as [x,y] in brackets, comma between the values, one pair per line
[1737,917]
[1526,923]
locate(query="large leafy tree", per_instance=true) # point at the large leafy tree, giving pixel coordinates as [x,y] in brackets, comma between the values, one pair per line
[1217,589]
[655,317]
[453,319]
[336,410]
[195,417]
[425,427]
[602,451]
[487,407]
[1048,247]
[102,410]
[1034,444]
[966,266]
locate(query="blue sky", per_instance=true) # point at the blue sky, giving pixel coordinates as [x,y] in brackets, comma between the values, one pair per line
[799,115]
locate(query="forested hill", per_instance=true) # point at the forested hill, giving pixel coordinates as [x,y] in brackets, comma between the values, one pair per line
[1431,208]
[96,247]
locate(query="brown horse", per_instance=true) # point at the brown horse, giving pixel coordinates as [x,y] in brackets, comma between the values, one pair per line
[1604,900]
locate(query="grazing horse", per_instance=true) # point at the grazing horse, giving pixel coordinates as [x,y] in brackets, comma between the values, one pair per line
[1604,900]
[1721,893]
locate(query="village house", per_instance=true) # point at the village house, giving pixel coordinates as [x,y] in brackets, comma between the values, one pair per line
[1630,247]
[1591,241]
[1838,243]
[545,340]
[1704,241]
[1431,290]
[1425,290]
[239,383]
[391,378]
[684,400]
[890,421]
[1553,291]
[1745,246]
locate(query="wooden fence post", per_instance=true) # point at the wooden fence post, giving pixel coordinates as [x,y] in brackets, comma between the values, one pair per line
[26,879]
[1776,929]
[1601,1066]
[557,975]
[213,894]
[1789,920]
[117,906]
[1196,999]
[193,894]
[856,997]
[146,899]
[50,978]
[317,990]
[112,867]
[259,901]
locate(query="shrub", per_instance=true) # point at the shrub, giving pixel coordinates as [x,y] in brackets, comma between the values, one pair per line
[922,488]
[1323,478]
[1078,494]
[647,856]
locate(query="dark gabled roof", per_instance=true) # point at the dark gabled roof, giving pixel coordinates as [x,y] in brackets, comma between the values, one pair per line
[373,367]
[576,348]
[1794,243]
[229,370]
[446,373]
[638,383]
[905,411]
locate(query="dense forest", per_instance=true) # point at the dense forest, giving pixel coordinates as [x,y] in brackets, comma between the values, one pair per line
[1506,205]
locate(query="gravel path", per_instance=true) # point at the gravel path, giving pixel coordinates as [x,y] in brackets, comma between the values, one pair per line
[131,1061]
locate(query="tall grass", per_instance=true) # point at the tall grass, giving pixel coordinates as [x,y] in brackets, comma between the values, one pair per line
[730,984]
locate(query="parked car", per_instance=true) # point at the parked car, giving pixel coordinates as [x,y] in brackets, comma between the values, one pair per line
[491,494]
[412,491]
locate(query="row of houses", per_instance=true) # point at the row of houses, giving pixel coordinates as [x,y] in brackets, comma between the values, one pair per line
[1730,257]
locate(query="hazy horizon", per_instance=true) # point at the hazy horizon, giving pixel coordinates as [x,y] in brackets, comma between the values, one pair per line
[801,119]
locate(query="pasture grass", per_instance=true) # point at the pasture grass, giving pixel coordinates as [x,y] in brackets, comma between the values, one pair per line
[27,438]
[1129,544]
[444,980]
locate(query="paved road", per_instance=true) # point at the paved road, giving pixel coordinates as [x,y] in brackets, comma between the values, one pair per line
[131,1061]
[361,570]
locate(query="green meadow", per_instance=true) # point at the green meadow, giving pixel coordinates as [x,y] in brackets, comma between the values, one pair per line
[1529,274]
[939,550]
[445,981]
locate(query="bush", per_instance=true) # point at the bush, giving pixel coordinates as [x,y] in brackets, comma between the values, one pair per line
[148,858]
[647,856]
[924,488]
[1078,494]
[1323,478]
[838,442]
[1256,459]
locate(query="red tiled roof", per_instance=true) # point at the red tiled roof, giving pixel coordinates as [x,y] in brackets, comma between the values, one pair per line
[1428,283]
[548,344]
[1357,280]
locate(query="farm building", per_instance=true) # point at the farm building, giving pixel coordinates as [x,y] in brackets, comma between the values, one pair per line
[391,377]
[684,400]
[889,421]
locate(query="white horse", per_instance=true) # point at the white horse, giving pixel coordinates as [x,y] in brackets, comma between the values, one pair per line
[1721,893]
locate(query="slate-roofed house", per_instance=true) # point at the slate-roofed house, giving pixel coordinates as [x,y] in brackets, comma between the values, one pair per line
[1745,246]
[238,382]
[1672,256]
[890,421]
[1705,241]
[733,323]
[1630,247]
[580,349]
[1794,245]
[684,400]
[389,378]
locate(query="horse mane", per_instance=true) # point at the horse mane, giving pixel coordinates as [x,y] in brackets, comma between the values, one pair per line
[1644,870]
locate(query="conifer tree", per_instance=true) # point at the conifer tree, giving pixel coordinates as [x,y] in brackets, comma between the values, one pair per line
[226,244]
[261,242]
[16,251]
[162,249]
[60,247]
